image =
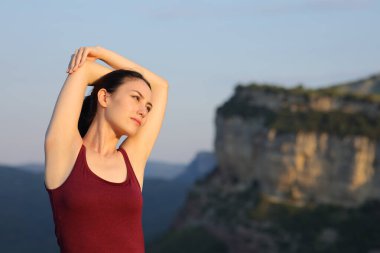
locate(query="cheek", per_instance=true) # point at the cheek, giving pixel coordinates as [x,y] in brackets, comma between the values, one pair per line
[124,103]
[117,113]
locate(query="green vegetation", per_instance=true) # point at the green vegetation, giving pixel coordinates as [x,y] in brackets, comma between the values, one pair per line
[334,122]
[357,229]
[286,121]
[313,228]
[334,92]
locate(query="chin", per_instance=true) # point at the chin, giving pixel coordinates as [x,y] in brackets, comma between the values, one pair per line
[130,132]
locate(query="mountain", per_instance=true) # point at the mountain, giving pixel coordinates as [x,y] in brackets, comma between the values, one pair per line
[203,163]
[297,170]
[154,169]
[163,170]
[25,223]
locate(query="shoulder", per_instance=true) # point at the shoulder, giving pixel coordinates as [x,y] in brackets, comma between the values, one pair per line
[59,161]
[137,160]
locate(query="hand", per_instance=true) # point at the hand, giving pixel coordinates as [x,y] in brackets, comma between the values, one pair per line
[81,55]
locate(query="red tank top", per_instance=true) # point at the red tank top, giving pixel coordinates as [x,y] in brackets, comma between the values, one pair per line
[93,215]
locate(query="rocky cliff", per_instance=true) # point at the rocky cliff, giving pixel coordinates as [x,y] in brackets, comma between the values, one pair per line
[297,171]
[301,145]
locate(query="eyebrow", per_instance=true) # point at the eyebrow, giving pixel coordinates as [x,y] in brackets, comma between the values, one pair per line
[143,97]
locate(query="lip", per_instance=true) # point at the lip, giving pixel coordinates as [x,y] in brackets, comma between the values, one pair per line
[138,122]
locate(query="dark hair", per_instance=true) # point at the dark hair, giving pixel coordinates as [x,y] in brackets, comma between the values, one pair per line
[110,81]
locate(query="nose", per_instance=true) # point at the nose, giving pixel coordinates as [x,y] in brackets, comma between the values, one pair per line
[143,111]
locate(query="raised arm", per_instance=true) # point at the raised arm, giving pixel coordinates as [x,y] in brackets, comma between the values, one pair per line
[62,138]
[117,61]
[63,125]
[140,145]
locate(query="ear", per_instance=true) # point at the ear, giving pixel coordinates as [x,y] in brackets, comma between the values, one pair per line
[103,97]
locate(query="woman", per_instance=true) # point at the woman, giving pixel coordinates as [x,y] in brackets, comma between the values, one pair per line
[94,188]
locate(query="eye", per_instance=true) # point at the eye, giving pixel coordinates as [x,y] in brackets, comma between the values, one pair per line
[149,109]
[138,98]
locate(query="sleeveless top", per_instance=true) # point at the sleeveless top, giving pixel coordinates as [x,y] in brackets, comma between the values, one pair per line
[93,215]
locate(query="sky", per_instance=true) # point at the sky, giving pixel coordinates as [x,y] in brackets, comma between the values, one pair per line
[203,48]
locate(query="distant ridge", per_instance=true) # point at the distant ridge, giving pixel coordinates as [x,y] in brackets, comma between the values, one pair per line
[363,86]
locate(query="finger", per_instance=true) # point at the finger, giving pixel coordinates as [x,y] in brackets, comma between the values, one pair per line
[68,66]
[84,55]
[70,63]
[78,57]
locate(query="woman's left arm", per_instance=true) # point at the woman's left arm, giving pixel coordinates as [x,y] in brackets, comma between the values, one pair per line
[117,61]
[140,145]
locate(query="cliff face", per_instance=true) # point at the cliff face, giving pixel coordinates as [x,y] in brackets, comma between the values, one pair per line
[300,145]
[301,167]
[289,163]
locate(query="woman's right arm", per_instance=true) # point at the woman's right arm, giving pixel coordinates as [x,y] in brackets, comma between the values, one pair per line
[63,126]
[62,138]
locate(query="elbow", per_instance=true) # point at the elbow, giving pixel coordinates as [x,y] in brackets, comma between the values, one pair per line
[165,82]
[162,81]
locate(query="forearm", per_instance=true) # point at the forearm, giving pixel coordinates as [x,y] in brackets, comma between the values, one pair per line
[95,71]
[117,61]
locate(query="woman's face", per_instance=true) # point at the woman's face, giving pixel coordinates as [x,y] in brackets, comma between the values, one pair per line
[128,105]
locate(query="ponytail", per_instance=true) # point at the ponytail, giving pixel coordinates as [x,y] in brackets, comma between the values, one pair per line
[87,114]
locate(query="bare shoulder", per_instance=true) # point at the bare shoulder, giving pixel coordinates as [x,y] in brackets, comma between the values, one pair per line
[60,157]
[137,159]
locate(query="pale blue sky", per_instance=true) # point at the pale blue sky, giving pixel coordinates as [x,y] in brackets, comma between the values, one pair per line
[202,47]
